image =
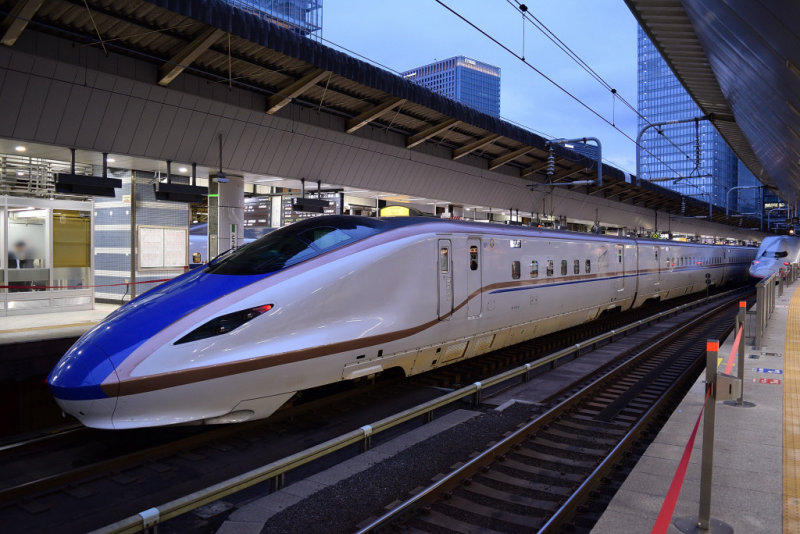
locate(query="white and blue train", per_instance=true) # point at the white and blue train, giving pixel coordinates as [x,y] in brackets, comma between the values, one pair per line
[775,255]
[341,297]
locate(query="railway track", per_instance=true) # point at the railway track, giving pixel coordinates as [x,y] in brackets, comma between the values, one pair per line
[550,474]
[140,469]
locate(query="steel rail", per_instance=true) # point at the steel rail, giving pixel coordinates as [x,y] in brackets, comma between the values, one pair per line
[275,470]
[506,444]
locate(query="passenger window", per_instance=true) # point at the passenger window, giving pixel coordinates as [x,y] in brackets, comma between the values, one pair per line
[473,258]
[444,260]
[576,267]
[588,266]
[563,267]
[515,269]
[534,269]
[549,267]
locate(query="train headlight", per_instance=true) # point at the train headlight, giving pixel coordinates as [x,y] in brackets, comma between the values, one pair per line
[224,324]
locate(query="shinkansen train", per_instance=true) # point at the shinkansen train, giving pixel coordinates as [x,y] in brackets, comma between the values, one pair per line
[775,255]
[341,297]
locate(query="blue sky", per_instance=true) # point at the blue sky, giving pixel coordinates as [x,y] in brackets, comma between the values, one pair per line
[409,33]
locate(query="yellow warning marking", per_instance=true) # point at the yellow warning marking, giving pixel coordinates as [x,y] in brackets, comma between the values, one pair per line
[719,361]
[50,327]
[791,415]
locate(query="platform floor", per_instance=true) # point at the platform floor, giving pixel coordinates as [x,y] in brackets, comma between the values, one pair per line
[756,474]
[53,325]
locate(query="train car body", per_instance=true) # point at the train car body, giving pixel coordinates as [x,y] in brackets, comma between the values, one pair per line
[338,297]
[775,255]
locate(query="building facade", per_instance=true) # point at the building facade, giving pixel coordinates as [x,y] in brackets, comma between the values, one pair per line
[473,83]
[690,158]
[301,16]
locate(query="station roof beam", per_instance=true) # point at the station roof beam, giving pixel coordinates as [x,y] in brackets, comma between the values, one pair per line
[423,135]
[294,89]
[475,145]
[373,113]
[180,61]
[509,157]
[17,19]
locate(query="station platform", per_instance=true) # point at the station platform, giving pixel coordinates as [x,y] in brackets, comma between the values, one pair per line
[756,469]
[40,326]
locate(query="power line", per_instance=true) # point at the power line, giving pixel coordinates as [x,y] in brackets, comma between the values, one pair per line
[547,32]
[546,77]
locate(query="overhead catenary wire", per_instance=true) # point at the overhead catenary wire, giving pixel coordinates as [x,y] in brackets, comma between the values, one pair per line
[547,32]
[552,81]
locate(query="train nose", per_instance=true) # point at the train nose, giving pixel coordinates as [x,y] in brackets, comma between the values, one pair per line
[85,383]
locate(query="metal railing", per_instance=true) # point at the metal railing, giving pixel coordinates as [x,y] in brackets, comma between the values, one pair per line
[274,472]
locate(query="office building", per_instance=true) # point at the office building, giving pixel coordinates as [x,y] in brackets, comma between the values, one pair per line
[301,16]
[691,157]
[473,83]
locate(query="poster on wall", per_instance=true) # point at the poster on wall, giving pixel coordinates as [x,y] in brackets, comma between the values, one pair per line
[163,247]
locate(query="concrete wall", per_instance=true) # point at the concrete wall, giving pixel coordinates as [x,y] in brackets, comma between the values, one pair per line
[55,93]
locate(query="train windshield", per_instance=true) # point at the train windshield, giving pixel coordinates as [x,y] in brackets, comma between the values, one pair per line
[295,243]
[775,253]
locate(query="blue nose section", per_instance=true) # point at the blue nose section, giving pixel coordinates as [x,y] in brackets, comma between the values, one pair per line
[80,373]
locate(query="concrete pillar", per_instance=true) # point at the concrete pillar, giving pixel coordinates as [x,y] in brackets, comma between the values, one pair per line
[225,214]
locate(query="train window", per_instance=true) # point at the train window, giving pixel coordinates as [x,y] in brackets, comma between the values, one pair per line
[576,267]
[563,266]
[473,258]
[549,267]
[515,270]
[293,244]
[534,269]
[444,260]
[588,266]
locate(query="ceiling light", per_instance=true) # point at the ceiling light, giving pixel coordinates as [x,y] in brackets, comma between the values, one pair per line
[269,180]
[20,148]
[182,169]
[20,173]
[110,160]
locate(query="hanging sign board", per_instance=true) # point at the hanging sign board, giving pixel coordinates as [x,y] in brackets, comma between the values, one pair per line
[163,247]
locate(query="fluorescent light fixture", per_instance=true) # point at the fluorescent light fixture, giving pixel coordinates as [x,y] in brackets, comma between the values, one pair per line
[182,169]
[568,145]
[355,191]
[20,148]
[20,173]
[29,214]
[269,180]
[110,160]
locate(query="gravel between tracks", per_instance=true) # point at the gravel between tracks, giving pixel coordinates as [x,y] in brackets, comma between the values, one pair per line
[339,508]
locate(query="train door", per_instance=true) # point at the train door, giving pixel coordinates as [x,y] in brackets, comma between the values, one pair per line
[474,278]
[659,263]
[445,270]
[619,267]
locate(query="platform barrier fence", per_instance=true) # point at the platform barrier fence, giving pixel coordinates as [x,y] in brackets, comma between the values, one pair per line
[766,294]
[719,386]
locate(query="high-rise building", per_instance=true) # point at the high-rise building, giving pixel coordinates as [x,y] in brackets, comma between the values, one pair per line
[473,83]
[690,158]
[300,16]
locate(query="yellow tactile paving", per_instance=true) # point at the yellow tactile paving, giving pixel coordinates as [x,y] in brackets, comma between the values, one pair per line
[791,416]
